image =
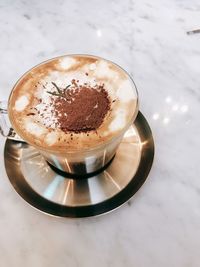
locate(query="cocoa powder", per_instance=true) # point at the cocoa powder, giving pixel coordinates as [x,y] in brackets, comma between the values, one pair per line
[83,109]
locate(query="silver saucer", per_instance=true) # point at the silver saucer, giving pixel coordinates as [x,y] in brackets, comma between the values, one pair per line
[37,183]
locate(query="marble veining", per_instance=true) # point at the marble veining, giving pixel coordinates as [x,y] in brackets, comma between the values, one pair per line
[159,226]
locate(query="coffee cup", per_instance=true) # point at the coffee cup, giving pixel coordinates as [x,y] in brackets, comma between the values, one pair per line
[73,109]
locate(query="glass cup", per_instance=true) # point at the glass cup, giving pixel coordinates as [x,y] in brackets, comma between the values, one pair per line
[75,162]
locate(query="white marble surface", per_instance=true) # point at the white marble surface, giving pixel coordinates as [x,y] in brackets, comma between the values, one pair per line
[161,224]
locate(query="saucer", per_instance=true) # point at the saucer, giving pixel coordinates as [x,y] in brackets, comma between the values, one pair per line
[55,194]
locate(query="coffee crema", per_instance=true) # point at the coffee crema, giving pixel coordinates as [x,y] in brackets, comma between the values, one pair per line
[72,102]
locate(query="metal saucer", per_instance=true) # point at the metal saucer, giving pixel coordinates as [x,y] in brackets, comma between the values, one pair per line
[54,194]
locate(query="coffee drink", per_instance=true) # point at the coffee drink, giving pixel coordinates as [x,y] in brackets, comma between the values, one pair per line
[72,104]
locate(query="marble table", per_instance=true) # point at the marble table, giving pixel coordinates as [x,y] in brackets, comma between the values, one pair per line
[160,225]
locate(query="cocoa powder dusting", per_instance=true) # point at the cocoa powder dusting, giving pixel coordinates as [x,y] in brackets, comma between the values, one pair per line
[30,114]
[83,110]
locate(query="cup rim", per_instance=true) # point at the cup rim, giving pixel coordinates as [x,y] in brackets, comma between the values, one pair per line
[98,146]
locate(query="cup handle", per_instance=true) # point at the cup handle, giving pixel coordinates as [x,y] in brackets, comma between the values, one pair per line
[5,127]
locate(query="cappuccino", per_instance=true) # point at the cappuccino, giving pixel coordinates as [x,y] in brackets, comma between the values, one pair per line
[72,103]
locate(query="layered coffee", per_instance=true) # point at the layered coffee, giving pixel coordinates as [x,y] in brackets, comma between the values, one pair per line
[72,102]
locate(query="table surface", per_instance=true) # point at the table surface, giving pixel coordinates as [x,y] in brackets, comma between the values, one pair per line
[160,225]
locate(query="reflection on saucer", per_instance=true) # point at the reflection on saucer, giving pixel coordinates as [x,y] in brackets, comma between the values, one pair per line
[52,193]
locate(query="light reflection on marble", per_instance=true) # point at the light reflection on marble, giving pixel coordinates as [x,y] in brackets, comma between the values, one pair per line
[160,225]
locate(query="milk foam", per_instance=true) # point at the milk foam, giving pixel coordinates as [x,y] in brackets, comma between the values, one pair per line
[67,62]
[102,70]
[21,103]
[125,92]
[50,119]
[119,121]
[92,71]
[34,128]
[92,66]
[51,138]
